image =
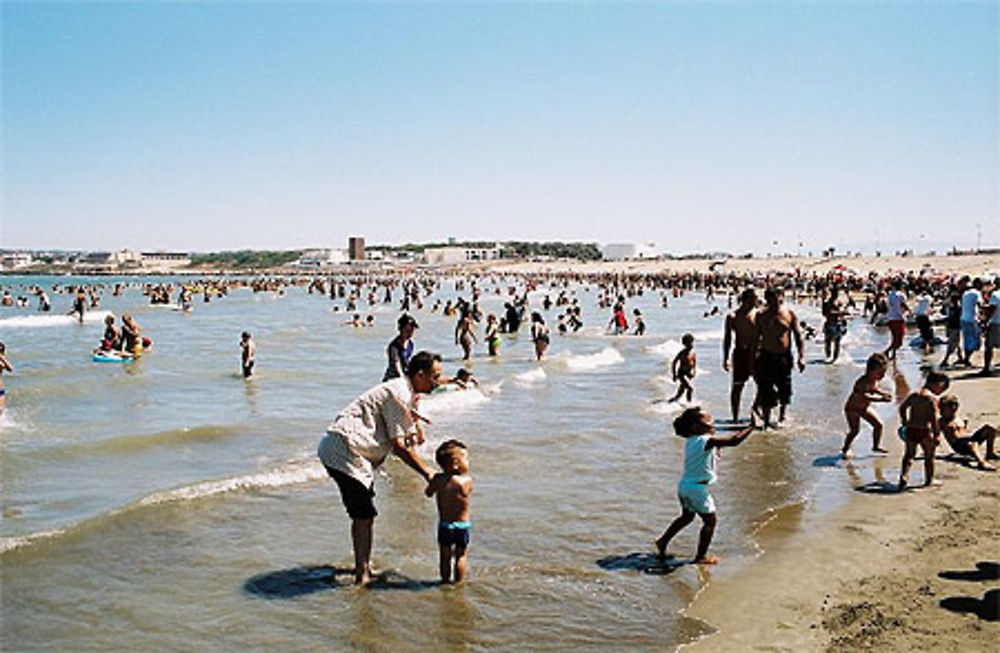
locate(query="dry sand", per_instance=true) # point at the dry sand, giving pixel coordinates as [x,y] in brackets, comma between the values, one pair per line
[972,264]
[887,572]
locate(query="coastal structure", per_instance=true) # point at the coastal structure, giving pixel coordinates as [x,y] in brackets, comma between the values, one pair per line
[356,248]
[322,258]
[15,260]
[627,251]
[455,255]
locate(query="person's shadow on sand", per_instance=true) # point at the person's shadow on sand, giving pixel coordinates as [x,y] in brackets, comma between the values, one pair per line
[299,581]
[983,571]
[987,608]
[878,487]
[647,563]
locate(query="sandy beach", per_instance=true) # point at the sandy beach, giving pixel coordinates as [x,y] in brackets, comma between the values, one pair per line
[888,571]
[971,264]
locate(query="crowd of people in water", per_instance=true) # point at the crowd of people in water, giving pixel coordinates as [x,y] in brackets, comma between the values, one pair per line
[763,341]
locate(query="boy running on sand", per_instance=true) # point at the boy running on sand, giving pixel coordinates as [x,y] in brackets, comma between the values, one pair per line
[453,487]
[858,404]
[955,433]
[919,416]
[684,368]
[700,453]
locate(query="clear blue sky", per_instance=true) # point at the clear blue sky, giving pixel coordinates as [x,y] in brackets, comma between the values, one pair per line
[729,125]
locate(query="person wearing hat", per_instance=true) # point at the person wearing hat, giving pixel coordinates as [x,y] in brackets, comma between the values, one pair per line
[400,348]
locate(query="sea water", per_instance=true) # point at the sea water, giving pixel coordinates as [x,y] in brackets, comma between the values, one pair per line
[169,504]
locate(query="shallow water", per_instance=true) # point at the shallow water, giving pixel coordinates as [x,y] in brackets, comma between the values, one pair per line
[169,503]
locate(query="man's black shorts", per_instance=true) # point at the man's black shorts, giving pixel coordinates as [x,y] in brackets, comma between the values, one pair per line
[356,497]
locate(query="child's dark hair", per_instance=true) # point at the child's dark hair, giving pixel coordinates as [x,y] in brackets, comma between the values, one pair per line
[445,451]
[875,361]
[684,424]
[463,374]
[937,378]
[687,339]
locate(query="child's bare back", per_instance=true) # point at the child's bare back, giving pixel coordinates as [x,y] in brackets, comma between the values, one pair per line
[453,493]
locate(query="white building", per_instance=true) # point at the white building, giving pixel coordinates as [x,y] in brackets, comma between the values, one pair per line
[15,260]
[627,251]
[455,255]
[322,258]
[165,260]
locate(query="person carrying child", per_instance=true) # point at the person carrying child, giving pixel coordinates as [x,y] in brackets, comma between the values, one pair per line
[684,367]
[453,489]
[858,406]
[918,414]
[700,452]
[956,434]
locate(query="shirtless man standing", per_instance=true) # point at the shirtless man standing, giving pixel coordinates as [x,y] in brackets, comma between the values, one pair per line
[742,323]
[777,326]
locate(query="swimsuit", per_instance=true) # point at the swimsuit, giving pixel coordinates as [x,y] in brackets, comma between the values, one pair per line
[917,434]
[742,364]
[454,533]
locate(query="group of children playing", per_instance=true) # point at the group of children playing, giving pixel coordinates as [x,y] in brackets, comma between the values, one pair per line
[923,418]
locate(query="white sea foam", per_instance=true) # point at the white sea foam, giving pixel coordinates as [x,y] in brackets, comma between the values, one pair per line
[12,543]
[289,474]
[449,401]
[584,362]
[49,320]
[667,349]
[531,376]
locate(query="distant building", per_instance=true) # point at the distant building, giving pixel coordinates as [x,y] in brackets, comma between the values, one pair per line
[356,248]
[455,255]
[165,260]
[627,251]
[322,258]
[15,260]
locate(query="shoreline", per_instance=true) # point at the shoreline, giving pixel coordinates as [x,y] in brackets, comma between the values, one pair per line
[979,263]
[886,571]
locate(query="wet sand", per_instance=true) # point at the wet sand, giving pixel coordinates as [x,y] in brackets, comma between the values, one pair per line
[887,572]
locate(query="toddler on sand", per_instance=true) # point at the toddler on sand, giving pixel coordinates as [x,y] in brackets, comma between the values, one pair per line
[957,434]
[453,487]
[919,416]
[858,406]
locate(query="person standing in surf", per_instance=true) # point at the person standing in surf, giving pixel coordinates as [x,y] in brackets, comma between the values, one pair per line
[248,354]
[700,452]
[381,421]
[539,334]
[5,366]
[400,348]
[742,324]
[777,328]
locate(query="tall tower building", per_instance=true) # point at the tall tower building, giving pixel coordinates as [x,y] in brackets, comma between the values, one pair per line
[356,248]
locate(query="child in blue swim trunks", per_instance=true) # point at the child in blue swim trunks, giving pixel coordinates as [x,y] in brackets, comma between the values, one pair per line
[453,487]
[700,451]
